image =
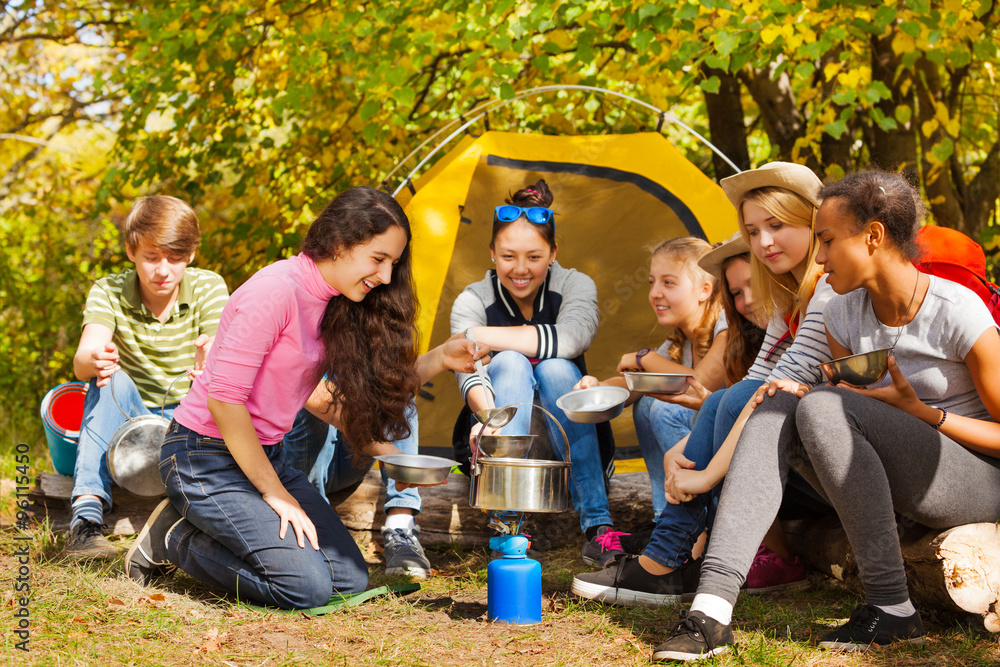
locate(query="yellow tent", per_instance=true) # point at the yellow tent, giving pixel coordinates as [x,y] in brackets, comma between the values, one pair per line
[614,195]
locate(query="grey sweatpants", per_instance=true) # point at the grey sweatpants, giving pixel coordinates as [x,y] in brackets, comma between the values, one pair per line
[871,461]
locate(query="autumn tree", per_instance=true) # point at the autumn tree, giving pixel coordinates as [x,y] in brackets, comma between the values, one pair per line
[284,103]
[842,85]
[54,139]
[258,111]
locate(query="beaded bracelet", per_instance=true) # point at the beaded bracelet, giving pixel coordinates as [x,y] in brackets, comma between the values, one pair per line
[944,415]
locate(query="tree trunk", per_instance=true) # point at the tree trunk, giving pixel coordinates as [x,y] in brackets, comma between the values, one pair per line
[833,151]
[892,149]
[725,123]
[983,191]
[782,119]
[446,516]
[941,192]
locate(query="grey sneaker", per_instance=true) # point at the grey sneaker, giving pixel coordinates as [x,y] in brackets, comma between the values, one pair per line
[85,541]
[403,553]
[147,557]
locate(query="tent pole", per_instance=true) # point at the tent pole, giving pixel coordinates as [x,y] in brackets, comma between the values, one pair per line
[492,105]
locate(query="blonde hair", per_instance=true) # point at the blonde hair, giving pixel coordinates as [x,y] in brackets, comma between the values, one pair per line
[782,293]
[162,222]
[687,250]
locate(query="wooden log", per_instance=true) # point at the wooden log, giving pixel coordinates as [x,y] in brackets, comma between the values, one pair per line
[446,517]
[50,499]
[955,570]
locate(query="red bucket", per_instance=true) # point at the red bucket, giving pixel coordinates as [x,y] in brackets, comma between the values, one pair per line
[62,414]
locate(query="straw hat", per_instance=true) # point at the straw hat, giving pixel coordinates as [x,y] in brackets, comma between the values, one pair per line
[713,260]
[798,178]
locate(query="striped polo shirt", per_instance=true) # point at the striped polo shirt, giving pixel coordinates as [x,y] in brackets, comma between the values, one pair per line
[154,353]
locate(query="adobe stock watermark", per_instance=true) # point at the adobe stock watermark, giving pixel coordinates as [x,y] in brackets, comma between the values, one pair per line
[624,289]
[22,553]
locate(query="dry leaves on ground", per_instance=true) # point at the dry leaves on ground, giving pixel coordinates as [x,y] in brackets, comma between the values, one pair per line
[213,640]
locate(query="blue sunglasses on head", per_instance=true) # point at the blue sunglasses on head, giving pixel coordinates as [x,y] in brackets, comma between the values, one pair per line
[536,214]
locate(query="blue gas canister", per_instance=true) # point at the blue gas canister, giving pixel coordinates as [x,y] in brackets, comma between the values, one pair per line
[514,583]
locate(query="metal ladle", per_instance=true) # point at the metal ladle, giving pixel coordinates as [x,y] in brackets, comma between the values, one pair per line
[497,417]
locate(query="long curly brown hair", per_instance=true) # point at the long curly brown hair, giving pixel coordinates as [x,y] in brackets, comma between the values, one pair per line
[370,345]
[745,337]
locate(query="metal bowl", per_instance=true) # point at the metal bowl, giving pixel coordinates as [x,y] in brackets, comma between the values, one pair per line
[657,383]
[858,369]
[593,405]
[506,446]
[416,468]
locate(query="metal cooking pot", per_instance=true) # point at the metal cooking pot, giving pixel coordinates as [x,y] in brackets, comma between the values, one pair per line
[134,453]
[519,485]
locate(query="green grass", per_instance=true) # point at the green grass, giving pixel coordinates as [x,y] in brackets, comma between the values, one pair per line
[91,614]
[19,425]
[87,614]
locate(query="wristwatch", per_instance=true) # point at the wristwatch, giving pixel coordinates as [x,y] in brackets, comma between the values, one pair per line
[639,355]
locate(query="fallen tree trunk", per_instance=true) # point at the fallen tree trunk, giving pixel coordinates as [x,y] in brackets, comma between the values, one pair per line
[51,500]
[446,517]
[957,570]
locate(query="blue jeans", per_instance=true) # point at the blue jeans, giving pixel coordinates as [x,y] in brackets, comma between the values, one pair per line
[678,526]
[515,380]
[659,426]
[101,418]
[324,455]
[229,536]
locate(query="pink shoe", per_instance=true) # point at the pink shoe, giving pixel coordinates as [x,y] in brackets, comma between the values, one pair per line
[770,573]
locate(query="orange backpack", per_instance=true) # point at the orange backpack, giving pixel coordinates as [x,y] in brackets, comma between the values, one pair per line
[950,254]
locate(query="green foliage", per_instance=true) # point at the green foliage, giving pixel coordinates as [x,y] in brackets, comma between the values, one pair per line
[44,279]
[287,103]
[53,251]
[53,84]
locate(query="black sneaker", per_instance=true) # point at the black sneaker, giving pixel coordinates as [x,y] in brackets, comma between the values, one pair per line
[624,582]
[690,576]
[86,541]
[696,637]
[870,625]
[604,546]
[147,557]
[636,541]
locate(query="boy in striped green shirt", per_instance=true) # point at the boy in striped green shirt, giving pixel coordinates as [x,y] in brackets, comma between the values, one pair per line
[142,329]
